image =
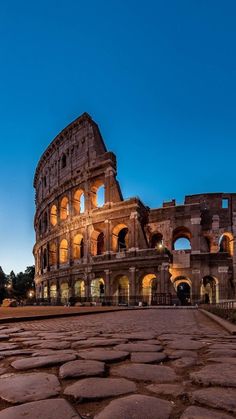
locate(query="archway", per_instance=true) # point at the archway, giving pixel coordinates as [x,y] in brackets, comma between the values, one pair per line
[64,208]
[53,293]
[226,243]
[78,201]
[121,289]
[97,289]
[64,288]
[78,246]
[79,288]
[120,238]
[150,289]
[181,239]
[156,240]
[97,243]
[53,215]
[98,194]
[209,290]
[183,287]
[63,254]
[52,253]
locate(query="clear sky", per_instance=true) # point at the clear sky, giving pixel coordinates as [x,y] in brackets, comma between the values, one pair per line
[159,77]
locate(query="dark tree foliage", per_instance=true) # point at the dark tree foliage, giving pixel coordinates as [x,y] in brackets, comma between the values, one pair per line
[3,281]
[22,283]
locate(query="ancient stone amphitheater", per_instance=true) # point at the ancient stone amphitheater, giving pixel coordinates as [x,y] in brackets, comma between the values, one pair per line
[94,246]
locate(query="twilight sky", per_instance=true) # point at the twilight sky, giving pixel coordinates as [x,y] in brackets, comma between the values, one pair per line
[159,77]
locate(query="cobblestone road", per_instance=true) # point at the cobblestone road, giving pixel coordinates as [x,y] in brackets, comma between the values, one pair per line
[149,364]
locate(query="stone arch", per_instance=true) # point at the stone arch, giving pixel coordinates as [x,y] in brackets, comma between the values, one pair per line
[52,253]
[53,293]
[64,208]
[78,246]
[98,194]
[181,234]
[63,251]
[78,201]
[45,258]
[45,291]
[63,161]
[79,288]
[120,238]
[150,288]
[209,289]
[156,240]
[45,222]
[97,288]
[183,288]
[120,289]
[226,243]
[64,292]
[97,243]
[53,215]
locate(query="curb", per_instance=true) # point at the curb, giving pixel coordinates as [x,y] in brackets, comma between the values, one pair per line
[221,322]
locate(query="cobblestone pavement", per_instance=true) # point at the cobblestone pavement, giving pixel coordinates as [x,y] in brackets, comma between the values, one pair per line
[149,364]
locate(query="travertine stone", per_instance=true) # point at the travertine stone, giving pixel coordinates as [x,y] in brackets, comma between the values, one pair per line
[81,368]
[41,361]
[104,355]
[145,372]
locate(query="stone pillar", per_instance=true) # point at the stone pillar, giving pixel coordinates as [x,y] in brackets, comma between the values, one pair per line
[107,236]
[58,291]
[196,284]
[109,181]
[196,234]
[133,231]
[58,252]
[108,291]
[164,277]
[132,285]
[215,230]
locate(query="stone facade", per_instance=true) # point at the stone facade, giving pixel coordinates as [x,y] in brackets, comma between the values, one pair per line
[92,245]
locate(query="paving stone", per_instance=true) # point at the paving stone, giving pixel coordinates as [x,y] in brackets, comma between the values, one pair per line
[136,335]
[43,409]
[54,345]
[13,330]
[220,398]
[136,407]
[195,412]
[224,360]
[186,345]
[8,346]
[21,388]
[99,388]
[47,352]
[16,352]
[180,354]
[104,355]
[221,353]
[174,390]
[185,362]
[138,347]
[3,337]
[217,374]
[81,368]
[230,346]
[41,361]
[90,343]
[145,372]
[147,357]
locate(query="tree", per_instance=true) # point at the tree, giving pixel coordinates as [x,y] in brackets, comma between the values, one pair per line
[3,281]
[23,282]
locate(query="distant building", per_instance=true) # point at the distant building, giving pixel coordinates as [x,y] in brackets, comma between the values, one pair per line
[92,245]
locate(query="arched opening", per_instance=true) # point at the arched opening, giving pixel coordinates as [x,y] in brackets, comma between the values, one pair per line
[209,289]
[64,209]
[63,161]
[150,290]
[45,259]
[97,243]
[97,289]
[78,201]
[45,222]
[78,246]
[53,215]
[45,291]
[120,238]
[156,241]
[52,254]
[53,293]
[98,194]
[63,251]
[183,287]
[79,288]
[226,243]
[64,288]
[121,289]
[181,239]
[100,244]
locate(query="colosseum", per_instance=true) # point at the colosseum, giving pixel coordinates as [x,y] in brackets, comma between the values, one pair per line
[93,246]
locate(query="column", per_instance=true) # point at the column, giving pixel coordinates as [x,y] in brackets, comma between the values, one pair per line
[107,236]
[196,234]
[132,285]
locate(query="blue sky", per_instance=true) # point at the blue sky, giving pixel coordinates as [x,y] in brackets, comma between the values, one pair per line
[159,77]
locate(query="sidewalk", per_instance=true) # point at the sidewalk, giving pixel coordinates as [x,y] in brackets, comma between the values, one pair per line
[14,314]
